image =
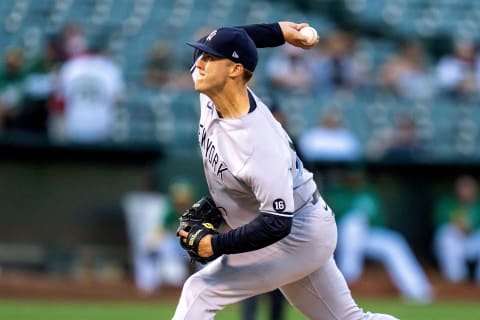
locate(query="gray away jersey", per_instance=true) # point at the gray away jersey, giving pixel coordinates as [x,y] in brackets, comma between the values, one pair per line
[250,165]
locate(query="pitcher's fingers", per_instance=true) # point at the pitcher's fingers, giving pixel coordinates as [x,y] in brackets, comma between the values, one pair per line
[182,233]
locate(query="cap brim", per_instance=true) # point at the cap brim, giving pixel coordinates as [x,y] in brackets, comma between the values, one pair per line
[204,48]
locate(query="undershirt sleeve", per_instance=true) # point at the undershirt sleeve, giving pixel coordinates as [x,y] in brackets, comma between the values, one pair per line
[265,35]
[262,231]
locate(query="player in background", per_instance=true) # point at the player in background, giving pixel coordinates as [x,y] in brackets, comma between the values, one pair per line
[457,230]
[282,233]
[364,233]
[90,88]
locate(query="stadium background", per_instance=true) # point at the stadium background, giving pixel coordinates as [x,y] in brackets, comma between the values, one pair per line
[61,202]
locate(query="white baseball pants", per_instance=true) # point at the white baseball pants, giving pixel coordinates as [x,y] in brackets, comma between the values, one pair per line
[301,265]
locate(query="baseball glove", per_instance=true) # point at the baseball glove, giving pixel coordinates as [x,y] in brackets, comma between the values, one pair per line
[203,218]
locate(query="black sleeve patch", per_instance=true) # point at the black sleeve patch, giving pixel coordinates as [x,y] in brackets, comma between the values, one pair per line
[279,205]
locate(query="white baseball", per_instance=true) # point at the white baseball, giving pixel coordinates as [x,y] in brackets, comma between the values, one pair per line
[311,35]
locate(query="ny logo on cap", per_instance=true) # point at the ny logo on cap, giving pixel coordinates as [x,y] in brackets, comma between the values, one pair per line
[211,35]
[235,55]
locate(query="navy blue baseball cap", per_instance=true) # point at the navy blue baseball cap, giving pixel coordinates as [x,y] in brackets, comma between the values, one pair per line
[231,43]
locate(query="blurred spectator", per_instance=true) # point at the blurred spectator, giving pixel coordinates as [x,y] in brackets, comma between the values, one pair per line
[330,140]
[12,75]
[400,143]
[338,67]
[152,220]
[456,71]
[289,70]
[160,72]
[38,88]
[363,234]
[74,40]
[406,73]
[277,112]
[457,234]
[89,89]
[405,143]
[281,117]
[158,65]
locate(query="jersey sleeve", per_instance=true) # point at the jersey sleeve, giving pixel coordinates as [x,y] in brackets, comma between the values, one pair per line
[272,183]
